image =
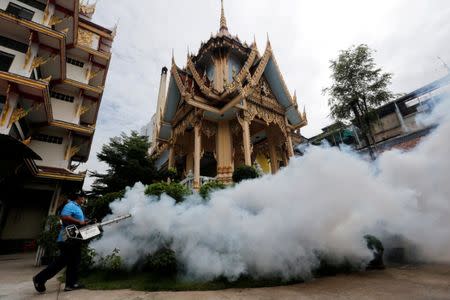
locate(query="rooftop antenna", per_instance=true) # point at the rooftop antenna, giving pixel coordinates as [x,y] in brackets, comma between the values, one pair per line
[445,65]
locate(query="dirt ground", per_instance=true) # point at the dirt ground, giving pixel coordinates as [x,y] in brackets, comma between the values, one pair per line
[402,282]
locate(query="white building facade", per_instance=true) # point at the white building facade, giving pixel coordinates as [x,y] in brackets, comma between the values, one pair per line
[53,66]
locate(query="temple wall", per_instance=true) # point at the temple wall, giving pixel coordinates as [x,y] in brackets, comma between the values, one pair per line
[53,155]
[77,73]
[66,111]
[17,66]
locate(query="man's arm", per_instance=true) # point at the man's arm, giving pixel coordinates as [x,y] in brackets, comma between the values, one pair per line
[72,220]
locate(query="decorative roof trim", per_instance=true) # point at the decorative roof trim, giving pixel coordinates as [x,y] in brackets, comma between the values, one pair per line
[176,76]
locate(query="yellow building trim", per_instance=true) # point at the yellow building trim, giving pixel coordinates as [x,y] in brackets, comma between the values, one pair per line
[106,56]
[73,127]
[23,80]
[50,175]
[95,30]
[32,25]
[83,86]
[37,84]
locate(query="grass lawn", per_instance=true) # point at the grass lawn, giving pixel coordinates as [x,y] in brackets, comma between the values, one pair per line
[100,280]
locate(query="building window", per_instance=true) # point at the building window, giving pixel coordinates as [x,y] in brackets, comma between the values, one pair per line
[62,97]
[48,138]
[6,60]
[2,102]
[20,11]
[35,4]
[12,44]
[75,62]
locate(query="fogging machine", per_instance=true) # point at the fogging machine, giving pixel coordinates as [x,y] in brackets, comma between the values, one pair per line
[73,232]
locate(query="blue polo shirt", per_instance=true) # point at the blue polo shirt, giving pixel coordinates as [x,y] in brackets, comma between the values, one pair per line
[73,210]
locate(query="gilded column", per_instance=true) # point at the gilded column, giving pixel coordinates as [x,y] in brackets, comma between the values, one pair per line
[245,124]
[272,150]
[172,156]
[224,150]
[197,150]
[290,149]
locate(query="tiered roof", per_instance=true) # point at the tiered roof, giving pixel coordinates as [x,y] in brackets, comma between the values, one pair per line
[191,82]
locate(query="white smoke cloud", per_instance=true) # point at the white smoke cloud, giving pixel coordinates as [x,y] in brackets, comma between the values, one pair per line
[324,201]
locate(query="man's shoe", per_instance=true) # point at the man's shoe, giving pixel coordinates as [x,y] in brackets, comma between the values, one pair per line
[72,287]
[39,286]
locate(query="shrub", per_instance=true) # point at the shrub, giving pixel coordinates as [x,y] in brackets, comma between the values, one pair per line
[170,173]
[111,262]
[244,172]
[47,238]
[377,249]
[87,258]
[175,190]
[99,208]
[209,187]
[162,262]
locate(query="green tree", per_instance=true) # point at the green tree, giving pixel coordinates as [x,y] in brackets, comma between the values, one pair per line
[358,87]
[129,162]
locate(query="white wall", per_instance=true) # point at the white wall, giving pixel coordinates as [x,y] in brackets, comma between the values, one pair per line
[66,111]
[52,154]
[38,16]
[77,73]
[17,66]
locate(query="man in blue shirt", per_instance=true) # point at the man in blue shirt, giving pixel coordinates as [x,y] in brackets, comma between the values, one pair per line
[70,250]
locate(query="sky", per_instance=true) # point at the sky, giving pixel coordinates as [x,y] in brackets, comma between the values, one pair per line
[408,37]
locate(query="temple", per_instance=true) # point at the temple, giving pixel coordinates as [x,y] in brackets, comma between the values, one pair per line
[53,65]
[229,106]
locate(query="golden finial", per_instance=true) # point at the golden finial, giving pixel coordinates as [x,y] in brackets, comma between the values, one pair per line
[223,20]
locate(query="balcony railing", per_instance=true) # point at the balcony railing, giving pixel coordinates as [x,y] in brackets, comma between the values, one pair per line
[189,180]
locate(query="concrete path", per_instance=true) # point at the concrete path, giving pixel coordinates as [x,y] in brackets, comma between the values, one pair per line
[407,282]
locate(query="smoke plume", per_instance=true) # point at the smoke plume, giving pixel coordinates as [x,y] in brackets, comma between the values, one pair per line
[323,202]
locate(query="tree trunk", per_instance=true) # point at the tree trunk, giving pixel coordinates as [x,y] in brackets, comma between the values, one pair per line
[360,124]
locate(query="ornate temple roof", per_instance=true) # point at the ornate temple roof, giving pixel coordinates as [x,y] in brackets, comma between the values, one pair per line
[245,70]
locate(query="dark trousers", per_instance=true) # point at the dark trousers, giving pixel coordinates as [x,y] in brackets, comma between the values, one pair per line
[70,256]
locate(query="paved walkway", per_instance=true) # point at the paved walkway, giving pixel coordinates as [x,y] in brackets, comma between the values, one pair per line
[407,282]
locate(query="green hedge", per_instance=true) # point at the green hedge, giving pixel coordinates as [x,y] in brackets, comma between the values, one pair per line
[209,187]
[174,189]
[162,262]
[244,172]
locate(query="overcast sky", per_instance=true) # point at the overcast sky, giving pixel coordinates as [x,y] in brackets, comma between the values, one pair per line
[408,36]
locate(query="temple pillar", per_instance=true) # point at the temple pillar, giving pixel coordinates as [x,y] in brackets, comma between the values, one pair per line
[245,124]
[271,139]
[171,163]
[197,151]
[224,152]
[285,158]
[290,149]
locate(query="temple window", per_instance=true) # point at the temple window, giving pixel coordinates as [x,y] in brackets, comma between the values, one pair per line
[62,97]
[75,62]
[48,138]
[19,11]
[35,4]
[6,60]
[12,44]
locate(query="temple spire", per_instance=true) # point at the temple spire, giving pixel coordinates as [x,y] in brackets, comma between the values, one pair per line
[223,20]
